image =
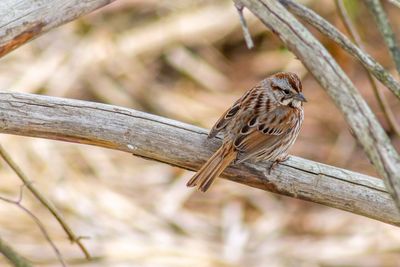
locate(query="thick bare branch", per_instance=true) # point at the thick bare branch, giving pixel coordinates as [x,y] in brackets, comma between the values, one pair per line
[24,20]
[329,30]
[186,146]
[320,63]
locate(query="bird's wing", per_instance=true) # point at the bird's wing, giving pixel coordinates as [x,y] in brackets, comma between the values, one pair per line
[232,111]
[262,133]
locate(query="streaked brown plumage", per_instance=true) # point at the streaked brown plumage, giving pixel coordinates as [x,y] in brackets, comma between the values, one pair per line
[262,125]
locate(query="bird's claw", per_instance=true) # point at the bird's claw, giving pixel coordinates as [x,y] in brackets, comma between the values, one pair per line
[276,162]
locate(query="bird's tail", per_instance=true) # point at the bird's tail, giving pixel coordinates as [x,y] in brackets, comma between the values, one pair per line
[204,178]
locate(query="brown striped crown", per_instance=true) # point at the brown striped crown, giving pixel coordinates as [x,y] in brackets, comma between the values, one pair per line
[284,79]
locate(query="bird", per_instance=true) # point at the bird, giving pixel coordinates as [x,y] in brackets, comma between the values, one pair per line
[260,126]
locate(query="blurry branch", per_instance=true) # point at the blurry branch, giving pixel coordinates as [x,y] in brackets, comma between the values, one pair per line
[24,20]
[395,2]
[197,68]
[38,223]
[187,28]
[196,26]
[12,256]
[384,105]
[330,31]
[381,19]
[328,73]
[186,146]
[72,237]
[243,23]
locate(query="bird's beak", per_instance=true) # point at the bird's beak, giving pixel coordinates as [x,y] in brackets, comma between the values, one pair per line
[300,97]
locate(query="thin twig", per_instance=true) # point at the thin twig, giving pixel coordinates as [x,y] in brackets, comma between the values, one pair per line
[329,30]
[384,105]
[13,257]
[385,29]
[72,237]
[243,23]
[38,223]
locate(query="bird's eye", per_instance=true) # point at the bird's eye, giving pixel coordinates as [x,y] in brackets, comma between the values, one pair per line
[286,91]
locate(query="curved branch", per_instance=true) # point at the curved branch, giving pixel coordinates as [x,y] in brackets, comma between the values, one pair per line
[187,147]
[329,30]
[380,96]
[22,21]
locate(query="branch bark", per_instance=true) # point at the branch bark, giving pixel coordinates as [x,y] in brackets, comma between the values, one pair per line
[24,20]
[186,146]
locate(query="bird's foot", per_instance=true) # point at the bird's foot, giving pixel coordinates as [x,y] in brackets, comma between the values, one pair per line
[276,162]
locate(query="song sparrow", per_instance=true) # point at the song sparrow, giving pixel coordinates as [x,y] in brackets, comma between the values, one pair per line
[261,125]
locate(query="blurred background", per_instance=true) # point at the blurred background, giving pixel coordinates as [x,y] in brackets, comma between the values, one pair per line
[185,60]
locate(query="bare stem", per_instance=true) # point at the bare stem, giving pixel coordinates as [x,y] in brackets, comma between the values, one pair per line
[38,223]
[43,200]
[14,258]
[384,27]
[243,23]
[383,103]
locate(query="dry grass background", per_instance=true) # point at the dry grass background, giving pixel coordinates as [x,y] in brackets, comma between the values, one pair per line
[184,60]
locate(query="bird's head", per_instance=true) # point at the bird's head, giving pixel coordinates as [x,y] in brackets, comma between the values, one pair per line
[287,90]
